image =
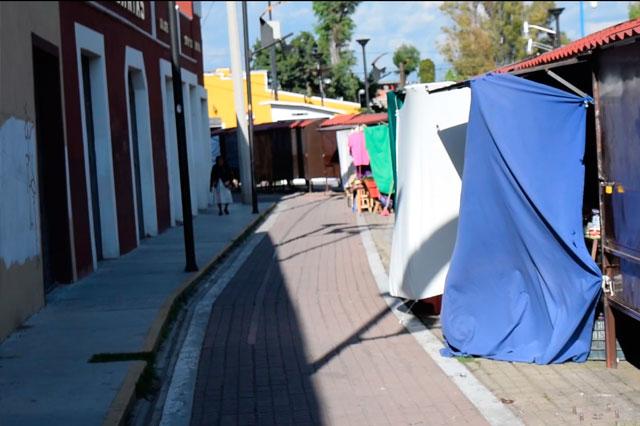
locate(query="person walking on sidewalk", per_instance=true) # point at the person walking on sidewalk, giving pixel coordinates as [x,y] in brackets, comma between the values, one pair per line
[220,184]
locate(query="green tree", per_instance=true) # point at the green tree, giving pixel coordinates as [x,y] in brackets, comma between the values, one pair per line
[487,34]
[296,65]
[451,75]
[335,26]
[406,58]
[634,9]
[427,71]
[334,29]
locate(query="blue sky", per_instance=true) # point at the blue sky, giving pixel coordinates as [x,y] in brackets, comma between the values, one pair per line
[387,24]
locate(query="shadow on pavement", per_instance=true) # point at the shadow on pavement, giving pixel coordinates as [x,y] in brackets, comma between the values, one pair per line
[253,368]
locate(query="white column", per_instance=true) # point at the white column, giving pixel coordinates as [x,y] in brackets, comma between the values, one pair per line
[241,115]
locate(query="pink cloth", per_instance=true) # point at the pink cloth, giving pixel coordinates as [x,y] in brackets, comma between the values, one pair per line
[358,149]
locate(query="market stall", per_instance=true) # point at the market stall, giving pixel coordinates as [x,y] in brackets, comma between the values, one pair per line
[430,152]
[522,285]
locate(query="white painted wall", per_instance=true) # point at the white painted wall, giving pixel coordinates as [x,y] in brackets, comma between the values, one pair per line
[92,42]
[19,215]
[196,120]
[189,82]
[205,158]
[170,137]
[134,62]
[198,147]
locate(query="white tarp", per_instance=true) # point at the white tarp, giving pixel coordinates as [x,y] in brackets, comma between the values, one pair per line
[346,162]
[430,144]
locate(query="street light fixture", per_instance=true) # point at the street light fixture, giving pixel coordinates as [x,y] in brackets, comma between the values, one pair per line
[363,42]
[556,14]
[554,33]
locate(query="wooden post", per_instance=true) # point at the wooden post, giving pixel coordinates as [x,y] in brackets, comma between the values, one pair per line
[610,335]
[609,318]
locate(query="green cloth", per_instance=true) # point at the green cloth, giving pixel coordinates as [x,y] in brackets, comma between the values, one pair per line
[394,103]
[377,140]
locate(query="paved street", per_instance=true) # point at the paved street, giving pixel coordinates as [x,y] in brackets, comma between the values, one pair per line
[301,336]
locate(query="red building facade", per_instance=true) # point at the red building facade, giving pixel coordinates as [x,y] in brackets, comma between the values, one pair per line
[118,102]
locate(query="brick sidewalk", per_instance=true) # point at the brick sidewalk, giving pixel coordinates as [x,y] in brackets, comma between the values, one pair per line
[570,393]
[300,336]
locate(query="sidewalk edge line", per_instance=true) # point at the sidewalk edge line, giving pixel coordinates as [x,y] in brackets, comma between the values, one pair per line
[481,397]
[123,401]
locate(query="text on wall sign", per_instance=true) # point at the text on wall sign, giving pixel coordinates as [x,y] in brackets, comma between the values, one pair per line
[135,7]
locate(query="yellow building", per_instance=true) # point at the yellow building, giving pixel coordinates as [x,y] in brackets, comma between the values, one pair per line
[289,106]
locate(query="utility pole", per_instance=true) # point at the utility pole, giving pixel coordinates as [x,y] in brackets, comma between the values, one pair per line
[242,131]
[321,84]
[363,42]
[274,69]
[187,218]
[247,67]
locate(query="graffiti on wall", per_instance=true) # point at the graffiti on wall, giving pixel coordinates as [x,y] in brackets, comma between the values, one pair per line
[19,226]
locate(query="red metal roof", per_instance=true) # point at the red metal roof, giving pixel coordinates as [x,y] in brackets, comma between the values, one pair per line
[309,121]
[355,119]
[337,120]
[598,39]
[376,118]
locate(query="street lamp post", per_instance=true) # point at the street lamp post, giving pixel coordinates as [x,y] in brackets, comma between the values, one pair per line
[556,14]
[318,57]
[183,161]
[247,63]
[363,42]
[272,57]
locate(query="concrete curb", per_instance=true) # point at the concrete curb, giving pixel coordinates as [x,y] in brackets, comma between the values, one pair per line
[125,397]
[494,411]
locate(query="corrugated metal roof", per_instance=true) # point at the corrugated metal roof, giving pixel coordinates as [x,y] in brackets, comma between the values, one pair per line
[338,119]
[309,121]
[355,119]
[380,117]
[592,41]
[270,126]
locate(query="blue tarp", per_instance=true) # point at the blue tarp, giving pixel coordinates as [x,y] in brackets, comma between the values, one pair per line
[521,285]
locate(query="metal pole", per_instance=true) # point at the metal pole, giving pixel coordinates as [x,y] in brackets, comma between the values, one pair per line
[321,85]
[189,245]
[363,42]
[556,14]
[366,77]
[247,63]
[274,68]
[581,19]
[242,131]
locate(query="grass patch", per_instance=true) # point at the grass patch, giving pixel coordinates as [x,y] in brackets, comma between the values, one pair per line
[465,359]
